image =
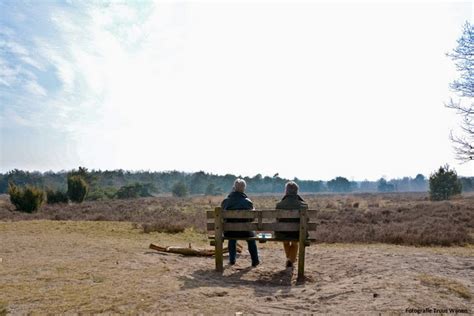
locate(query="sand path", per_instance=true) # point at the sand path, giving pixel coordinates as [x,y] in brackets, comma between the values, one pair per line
[94,267]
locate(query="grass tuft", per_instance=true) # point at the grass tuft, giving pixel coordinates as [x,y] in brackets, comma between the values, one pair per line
[3,309]
[451,285]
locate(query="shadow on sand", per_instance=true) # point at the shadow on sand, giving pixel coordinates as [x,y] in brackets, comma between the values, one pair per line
[264,283]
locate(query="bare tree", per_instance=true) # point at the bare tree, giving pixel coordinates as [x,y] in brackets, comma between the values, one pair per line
[463,57]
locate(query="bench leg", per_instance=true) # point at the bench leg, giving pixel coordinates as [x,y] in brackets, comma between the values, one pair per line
[301,254]
[218,254]
[302,244]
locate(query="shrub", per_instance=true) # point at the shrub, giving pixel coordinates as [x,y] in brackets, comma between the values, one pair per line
[28,199]
[53,197]
[99,194]
[443,184]
[135,190]
[76,188]
[179,189]
[128,192]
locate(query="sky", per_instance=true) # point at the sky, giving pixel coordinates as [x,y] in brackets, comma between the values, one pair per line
[311,90]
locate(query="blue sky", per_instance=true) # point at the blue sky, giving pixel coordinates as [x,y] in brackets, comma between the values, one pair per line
[309,90]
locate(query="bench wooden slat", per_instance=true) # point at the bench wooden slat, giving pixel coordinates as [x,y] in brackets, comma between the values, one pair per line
[260,238]
[289,227]
[265,214]
[307,241]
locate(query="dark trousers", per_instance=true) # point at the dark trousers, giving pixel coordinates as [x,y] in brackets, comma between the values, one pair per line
[252,245]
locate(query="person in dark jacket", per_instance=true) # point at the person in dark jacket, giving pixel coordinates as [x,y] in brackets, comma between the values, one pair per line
[238,200]
[291,201]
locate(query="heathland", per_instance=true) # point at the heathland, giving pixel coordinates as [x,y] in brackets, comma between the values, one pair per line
[374,253]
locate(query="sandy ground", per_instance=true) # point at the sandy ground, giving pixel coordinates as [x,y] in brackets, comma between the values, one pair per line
[106,267]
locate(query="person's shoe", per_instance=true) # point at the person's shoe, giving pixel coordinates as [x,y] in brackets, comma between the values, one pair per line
[289,264]
[254,264]
[231,263]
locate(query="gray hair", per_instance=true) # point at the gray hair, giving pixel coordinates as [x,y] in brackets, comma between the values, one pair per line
[239,185]
[291,188]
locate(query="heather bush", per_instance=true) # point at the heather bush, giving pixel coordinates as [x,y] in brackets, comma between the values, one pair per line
[394,218]
[164,227]
[443,184]
[28,199]
[53,197]
[76,188]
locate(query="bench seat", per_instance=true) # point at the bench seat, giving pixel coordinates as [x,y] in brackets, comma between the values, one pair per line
[261,240]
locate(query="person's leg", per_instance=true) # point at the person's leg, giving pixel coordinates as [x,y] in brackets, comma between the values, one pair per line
[253,252]
[286,245]
[232,250]
[293,250]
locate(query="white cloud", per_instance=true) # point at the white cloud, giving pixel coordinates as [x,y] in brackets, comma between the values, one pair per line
[13,119]
[8,74]
[20,52]
[34,88]
[64,68]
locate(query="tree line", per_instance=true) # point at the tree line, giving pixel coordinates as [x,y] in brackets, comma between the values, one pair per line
[123,184]
[82,185]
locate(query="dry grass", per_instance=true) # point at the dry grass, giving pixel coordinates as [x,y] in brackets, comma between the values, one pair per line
[164,214]
[445,283]
[3,309]
[405,219]
[90,267]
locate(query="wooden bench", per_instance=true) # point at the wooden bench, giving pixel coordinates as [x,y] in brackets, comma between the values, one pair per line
[262,221]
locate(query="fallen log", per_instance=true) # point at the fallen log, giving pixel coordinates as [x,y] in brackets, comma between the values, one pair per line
[190,251]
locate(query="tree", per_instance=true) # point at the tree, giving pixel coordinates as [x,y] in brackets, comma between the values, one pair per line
[444,183]
[58,196]
[463,57]
[467,184]
[198,182]
[89,176]
[384,186]
[419,183]
[339,184]
[28,199]
[77,188]
[211,189]
[179,189]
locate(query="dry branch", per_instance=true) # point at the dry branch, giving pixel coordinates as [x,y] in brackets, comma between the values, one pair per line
[190,251]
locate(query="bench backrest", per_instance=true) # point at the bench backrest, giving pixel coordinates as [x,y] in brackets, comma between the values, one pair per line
[261,220]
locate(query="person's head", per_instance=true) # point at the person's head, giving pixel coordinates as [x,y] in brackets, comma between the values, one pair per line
[291,188]
[239,185]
